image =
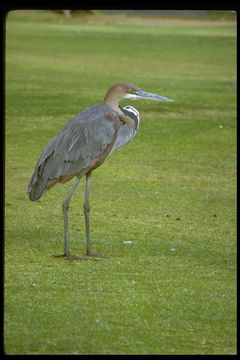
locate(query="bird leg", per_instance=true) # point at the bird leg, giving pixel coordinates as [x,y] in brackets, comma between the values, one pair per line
[65,207]
[86,207]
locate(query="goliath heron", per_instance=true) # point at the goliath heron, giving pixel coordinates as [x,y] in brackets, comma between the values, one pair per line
[83,144]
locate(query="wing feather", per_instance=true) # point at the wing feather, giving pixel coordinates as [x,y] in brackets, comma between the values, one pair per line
[75,147]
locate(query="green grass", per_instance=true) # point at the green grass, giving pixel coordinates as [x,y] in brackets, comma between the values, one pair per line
[171,191]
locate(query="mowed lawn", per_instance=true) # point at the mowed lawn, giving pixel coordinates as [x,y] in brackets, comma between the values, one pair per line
[162,209]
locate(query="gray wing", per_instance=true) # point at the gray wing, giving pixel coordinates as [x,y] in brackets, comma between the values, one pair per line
[81,145]
[125,134]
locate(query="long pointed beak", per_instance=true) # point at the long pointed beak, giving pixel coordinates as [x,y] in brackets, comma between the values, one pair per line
[139,94]
[149,96]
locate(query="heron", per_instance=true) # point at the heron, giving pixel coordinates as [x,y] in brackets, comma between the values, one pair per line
[83,144]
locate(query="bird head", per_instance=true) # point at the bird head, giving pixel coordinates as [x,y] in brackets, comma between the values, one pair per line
[133,92]
[130,91]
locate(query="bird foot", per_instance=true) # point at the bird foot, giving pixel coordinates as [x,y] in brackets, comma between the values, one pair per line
[93,255]
[89,256]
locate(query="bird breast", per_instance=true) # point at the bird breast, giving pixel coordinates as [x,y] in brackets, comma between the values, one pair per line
[128,129]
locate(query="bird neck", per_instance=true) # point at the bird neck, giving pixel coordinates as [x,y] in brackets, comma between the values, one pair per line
[124,117]
[112,99]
